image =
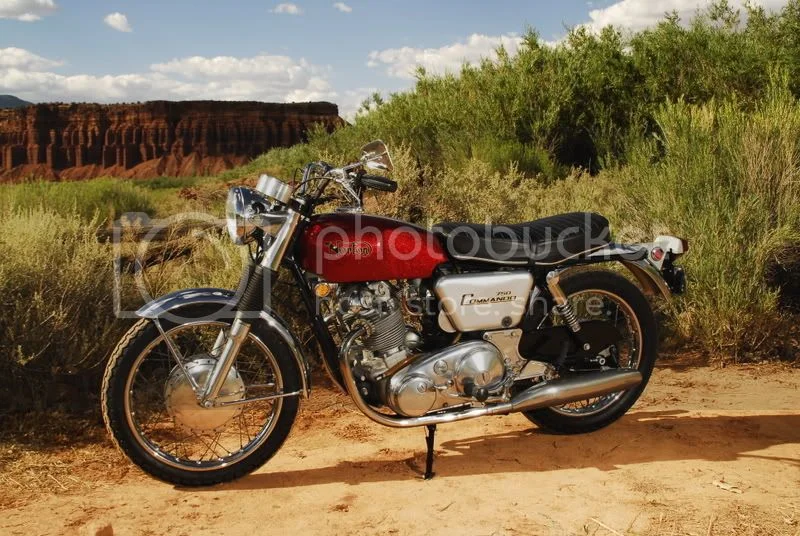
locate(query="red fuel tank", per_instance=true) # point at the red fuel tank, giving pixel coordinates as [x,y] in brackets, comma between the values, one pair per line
[350,248]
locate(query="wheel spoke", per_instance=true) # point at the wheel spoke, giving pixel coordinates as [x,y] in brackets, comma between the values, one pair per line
[169,422]
[621,316]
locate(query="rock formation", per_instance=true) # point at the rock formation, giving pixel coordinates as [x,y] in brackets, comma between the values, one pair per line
[78,141]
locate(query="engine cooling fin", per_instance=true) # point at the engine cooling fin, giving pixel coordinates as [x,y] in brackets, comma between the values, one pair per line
[386,333]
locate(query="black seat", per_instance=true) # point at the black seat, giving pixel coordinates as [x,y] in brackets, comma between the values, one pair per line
[547,241]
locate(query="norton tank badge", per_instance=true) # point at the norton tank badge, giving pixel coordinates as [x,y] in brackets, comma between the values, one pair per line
[356,249]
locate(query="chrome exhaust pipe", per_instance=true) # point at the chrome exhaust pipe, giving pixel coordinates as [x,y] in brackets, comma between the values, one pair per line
[591,385]
[543,395]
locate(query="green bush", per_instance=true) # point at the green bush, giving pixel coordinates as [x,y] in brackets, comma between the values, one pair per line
[688,128]
[728,180]
[578,104]
[57,313]
[169,183]
[57,316]
[104,198]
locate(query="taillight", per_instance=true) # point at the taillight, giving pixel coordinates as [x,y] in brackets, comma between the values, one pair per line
[657,254]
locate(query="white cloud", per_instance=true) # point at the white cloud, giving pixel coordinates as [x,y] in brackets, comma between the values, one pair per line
[639,14]
[344,8]
[26,10]
[118,21]
[18,58]
[226,67]
[401,62]
[350,101]
[288,9]
[263,77]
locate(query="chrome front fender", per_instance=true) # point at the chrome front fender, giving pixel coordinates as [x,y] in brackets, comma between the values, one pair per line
[165,306]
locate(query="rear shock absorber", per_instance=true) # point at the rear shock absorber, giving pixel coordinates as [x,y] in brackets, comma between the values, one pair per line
[563,306]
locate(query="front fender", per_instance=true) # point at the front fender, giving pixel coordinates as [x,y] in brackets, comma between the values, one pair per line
[165,306]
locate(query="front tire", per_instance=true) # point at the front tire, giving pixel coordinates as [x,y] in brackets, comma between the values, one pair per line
[561,421]
[155,441]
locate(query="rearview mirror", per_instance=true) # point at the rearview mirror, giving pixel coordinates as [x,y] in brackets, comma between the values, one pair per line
[375,155]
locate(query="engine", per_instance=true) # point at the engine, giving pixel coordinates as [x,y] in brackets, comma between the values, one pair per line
[376,308]
[454,376]
[391,371]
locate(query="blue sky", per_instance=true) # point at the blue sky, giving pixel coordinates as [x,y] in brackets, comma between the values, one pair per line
[118,50]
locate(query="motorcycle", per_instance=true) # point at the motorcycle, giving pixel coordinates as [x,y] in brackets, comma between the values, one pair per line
[419,326]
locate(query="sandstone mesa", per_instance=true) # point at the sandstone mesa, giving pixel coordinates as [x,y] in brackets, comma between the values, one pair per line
[81,141]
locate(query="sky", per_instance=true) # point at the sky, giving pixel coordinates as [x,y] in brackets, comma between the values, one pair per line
[124,51]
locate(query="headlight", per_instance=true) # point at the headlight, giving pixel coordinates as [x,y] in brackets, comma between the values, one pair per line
[241,208]
[249,214]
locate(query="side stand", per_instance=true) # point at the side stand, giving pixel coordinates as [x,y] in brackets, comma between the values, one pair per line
[430,434]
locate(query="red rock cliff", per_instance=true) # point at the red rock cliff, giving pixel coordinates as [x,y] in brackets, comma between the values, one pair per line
[76,141]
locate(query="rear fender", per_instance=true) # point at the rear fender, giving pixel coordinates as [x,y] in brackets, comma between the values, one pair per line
[635,258]
[166,308]
[651,280]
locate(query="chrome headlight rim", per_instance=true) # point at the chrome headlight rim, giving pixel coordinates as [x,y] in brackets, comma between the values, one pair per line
[249,215]
[240,208]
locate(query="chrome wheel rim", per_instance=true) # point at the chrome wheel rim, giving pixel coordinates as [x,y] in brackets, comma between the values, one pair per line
[153,415]
[629,351]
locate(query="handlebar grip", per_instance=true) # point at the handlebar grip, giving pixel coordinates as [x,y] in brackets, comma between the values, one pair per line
[376,182]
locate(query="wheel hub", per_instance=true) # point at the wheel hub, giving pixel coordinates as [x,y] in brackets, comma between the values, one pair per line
[182,403]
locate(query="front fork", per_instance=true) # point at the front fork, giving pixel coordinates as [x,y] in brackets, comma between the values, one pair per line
[250,305]
[230,345]
[218,375]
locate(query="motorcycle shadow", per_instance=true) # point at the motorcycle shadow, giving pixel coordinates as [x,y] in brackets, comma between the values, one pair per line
[640,437]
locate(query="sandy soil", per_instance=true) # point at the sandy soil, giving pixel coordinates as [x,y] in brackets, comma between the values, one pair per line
[704,452]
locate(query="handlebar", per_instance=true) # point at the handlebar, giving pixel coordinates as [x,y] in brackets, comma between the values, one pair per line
[350,181]
[376,182]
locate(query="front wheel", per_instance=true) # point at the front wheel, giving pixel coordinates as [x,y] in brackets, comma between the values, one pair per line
[602,295]
[152,413]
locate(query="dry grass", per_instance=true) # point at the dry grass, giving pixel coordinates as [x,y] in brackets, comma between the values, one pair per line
[52,454]
[60,454]
[734,520]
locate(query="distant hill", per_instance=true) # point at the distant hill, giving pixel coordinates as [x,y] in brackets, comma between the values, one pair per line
[10,101]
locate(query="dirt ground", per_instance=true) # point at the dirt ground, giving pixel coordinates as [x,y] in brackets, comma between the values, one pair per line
[706,452]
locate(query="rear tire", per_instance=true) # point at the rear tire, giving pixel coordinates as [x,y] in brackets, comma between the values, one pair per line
[607,282]
[119,423]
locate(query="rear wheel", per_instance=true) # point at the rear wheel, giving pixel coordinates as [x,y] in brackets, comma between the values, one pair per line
[151,410]
[602,295]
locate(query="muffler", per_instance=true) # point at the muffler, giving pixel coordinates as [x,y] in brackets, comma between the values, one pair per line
[564,391]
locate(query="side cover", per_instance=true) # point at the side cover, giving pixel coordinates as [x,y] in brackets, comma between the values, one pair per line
[484,301]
